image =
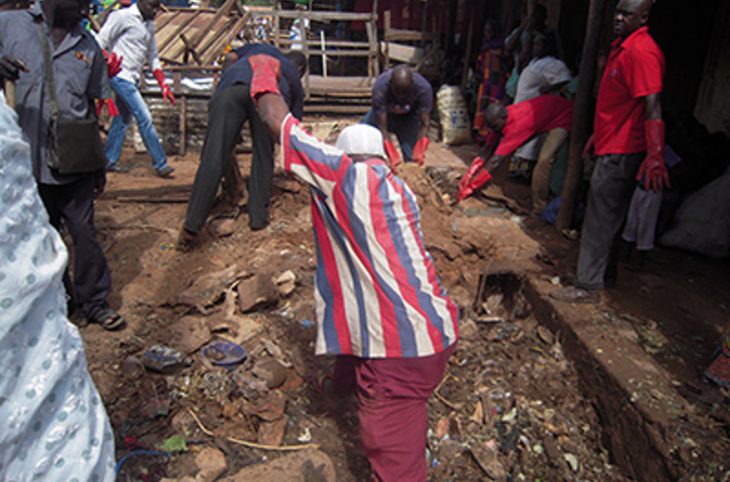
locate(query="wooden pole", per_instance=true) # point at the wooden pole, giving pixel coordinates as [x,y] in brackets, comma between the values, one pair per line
[467,55]
[581,114]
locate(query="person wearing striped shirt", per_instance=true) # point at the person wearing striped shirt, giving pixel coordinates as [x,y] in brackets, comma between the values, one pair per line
[380,306]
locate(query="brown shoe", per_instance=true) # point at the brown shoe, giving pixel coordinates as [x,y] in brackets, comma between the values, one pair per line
[571,294]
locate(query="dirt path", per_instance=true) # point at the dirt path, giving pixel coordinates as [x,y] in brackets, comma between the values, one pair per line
[510,405]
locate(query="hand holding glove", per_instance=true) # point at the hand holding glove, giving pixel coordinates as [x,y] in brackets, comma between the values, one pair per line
[653,170]
[110,105]
[266,72]
[113,63]
[419,151]
[474,178]
[166,92]
[392,153]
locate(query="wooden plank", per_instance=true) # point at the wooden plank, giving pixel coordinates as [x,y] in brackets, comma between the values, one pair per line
[325,16]
[400,35]
[386,34]
[223,11]
[403,53]
[228,35]
[212,39]
[165,20]
[310,108]
[330,43]
[174,36]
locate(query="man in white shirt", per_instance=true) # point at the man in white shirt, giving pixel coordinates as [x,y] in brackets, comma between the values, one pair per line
[130,33]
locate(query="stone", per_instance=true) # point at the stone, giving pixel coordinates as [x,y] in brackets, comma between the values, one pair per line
[212,463]
[272,433]
[303,466]
[256,292]
[189,333]
[286,283]
[486,456]
[207,289]
[222,227]
[270,371]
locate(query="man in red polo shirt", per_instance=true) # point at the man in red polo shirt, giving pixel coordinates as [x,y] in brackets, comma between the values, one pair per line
[628,141]
[518,123]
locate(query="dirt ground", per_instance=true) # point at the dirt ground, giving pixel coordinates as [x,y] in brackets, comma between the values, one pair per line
[510,407]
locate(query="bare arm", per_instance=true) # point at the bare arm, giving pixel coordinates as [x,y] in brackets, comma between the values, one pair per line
[425,118]
[494,163]
[273,110]
[652,107]
[381,119]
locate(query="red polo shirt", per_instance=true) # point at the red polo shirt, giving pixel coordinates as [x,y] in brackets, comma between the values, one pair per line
[634,70]
[529,118]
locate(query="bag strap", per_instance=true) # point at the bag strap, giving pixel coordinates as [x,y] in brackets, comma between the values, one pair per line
[48,61]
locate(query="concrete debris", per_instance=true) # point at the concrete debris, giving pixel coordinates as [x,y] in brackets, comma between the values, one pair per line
[208,289]
[222,227]
[286,283]
[211,464]
[303,466]
[256,292]
[270,371]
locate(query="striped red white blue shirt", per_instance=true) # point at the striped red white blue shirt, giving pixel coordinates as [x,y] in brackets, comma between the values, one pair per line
[377,293]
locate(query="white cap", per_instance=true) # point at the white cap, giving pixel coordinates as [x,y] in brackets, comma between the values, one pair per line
[361,139]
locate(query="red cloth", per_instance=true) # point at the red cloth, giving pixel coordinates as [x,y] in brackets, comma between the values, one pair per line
[531,117]
[634,69]
[392,396]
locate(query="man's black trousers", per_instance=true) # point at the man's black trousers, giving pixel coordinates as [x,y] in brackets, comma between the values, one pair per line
[72,206]
[228,110]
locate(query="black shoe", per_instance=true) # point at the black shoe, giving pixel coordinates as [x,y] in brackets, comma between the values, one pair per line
[165,172]
[116,168]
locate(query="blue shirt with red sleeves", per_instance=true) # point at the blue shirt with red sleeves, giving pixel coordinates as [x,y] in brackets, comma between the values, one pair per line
[634,70]
[377,293]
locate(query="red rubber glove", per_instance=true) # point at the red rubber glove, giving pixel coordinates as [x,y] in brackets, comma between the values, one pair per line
[110,105]
[392,153]
[653,170]
[113,63]
[266,72]
[166,92]
[419,152]
[474,178]
[588,147]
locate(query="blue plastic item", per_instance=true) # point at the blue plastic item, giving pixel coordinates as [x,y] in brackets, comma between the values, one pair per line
[224,353]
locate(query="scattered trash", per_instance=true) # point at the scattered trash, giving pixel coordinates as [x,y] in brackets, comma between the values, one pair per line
[305,436]
[257,292]
[222,227]
[132,368]
[224,353]
[270,371]
[162,358]
[572,461]
[286,282]
[306,323]
[485,454]
[173,444]
[211,464]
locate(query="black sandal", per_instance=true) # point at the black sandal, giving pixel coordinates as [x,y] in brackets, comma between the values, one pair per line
[107,318]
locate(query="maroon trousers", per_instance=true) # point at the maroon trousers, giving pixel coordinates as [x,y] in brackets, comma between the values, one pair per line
[392,396]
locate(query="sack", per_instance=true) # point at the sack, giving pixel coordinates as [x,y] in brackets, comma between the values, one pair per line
[76,146]
[453,115]
[702,223]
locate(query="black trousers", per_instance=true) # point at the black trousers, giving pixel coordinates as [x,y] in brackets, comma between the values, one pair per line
[228,110]
[612,184]
[71,206]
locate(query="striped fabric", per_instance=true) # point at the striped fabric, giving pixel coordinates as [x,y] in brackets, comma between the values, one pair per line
[377,292]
